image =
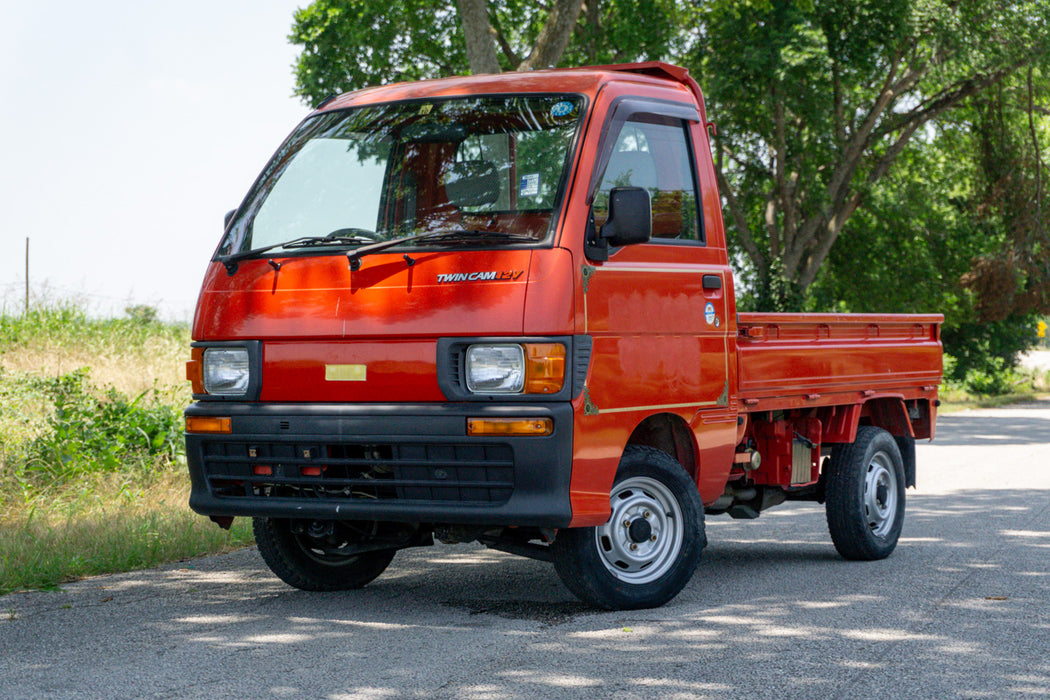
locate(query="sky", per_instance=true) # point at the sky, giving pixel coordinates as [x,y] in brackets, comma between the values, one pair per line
[129,129]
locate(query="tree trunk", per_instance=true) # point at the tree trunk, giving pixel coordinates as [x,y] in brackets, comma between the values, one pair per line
[554,36]
[478,34]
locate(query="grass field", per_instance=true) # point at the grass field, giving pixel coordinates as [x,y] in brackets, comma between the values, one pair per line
[92,470]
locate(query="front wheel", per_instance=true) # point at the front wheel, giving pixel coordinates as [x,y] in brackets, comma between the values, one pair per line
[864,494]
[648,550]
[319,560]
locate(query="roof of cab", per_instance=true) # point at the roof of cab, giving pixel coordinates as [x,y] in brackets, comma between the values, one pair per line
[586,80]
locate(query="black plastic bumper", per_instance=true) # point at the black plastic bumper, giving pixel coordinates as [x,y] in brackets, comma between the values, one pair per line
[395,462]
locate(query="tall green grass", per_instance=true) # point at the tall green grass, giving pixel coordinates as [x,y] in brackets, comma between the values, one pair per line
[92,469]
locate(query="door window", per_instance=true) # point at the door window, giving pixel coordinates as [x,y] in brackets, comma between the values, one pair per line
[654,153]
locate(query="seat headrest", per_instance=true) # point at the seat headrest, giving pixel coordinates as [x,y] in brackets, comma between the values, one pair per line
[472,183]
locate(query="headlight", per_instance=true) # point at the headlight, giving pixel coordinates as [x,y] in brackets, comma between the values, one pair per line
[529,368]
[495,369]
[226,371]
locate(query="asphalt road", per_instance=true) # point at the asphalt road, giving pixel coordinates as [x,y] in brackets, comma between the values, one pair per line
[961,609]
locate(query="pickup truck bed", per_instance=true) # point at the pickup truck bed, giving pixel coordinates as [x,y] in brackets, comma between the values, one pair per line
[796,360]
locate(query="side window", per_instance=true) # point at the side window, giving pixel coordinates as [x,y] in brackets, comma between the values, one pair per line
[654,153]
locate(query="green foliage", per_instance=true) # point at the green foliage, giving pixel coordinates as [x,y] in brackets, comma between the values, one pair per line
[349,44]
[107,433]
[116,530]
[620,31]
[995,380]
[141,313]
[987,347]
[816,102]
[57,426]
[66,324]
[92,479]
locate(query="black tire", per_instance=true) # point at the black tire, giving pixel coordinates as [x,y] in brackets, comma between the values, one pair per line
[864,495]
[315,564]
[656,509]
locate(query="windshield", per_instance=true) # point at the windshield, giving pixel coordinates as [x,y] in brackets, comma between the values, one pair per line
[486,165]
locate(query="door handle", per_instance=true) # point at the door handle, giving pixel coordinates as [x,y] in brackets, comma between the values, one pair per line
[712,282]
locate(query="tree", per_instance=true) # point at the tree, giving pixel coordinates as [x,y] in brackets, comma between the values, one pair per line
[822,98]
[958,226]
[350,44]
[1014,277]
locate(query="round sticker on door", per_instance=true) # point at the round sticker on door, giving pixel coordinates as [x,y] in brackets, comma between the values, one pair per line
[709,314]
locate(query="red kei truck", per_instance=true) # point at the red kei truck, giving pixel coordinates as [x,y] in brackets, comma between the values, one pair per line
[499,309]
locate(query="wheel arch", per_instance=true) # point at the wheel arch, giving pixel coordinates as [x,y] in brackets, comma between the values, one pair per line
[669,433]
[891,414]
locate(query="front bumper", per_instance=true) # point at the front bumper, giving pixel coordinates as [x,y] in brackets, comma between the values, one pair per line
[385,462]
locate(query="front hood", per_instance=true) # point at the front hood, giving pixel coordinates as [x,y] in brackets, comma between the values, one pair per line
[332,334]
[442,293]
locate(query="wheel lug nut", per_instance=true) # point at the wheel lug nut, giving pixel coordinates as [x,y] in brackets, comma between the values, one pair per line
[626,523]
[653,538]
[646,515]
[634,547]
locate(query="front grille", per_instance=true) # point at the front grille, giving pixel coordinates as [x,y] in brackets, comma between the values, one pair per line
[367,471]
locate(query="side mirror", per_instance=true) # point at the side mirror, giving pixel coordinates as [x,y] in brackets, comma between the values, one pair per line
[226,219]
[630,217]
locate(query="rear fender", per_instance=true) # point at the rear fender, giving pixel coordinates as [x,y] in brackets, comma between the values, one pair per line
[890,414]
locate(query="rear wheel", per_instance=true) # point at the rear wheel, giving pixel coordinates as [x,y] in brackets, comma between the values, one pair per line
[319,556]
[648,550]
[864,492]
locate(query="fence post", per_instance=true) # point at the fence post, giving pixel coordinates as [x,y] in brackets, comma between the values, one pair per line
[27,276]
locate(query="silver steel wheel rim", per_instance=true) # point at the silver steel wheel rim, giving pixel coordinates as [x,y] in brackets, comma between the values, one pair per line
[641,562]
[880,494]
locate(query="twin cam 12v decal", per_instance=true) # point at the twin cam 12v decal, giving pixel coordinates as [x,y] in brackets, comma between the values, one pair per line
[503,276]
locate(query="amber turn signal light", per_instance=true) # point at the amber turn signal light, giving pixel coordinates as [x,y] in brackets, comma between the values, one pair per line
[208,424]
[544,368]
[195,370]
[510,426]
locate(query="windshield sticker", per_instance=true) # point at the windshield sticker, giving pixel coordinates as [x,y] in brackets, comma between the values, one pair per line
[530,185]
[563,109]
[425,108]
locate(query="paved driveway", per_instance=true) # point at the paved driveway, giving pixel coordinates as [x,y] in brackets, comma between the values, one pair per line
[962,609]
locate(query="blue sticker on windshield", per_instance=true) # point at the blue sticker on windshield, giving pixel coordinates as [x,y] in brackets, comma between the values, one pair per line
[530,185]
[563,109]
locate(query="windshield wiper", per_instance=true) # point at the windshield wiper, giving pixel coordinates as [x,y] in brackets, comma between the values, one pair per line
[329,240]
[351,236]
[342,236]
[354,256]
